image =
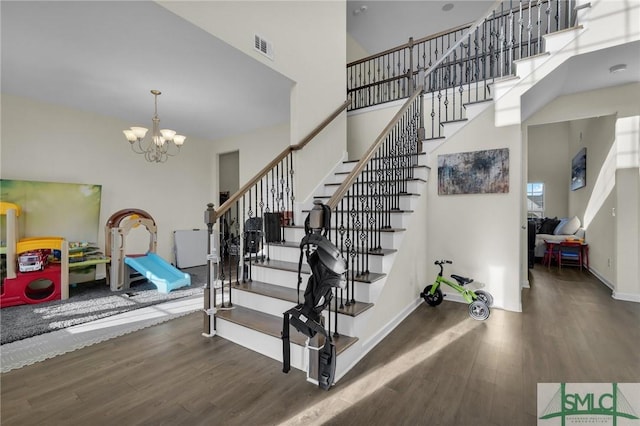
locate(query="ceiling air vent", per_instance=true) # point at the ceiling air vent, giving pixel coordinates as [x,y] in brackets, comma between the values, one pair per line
[263,46]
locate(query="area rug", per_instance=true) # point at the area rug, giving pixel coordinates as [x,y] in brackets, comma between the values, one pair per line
[88,302]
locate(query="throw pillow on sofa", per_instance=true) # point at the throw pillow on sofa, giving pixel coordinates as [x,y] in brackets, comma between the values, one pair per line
[568,226]
[548,226]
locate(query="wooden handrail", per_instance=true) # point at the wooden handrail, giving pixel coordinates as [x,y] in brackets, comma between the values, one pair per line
[245,188]
[344,187]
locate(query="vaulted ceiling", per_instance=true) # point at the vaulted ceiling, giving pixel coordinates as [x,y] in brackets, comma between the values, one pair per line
[105,57]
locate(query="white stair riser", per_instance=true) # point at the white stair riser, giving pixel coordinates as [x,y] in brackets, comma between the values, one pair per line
[449,129]
[413,187]
[276,307]
[377,263]
[387,239]
[398,219]
[262,343]
[364,291]
[526,66]
[407,202]
[556,41]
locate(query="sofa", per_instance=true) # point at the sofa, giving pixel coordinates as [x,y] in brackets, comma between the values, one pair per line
[556,230]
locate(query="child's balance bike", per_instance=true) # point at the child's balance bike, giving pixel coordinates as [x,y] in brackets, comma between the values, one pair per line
[479,301]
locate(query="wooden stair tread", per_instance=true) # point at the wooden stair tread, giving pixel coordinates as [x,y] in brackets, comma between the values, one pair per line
[290,244]
[442,123]
[481,101]
[259,321]
[272,326]
[289,295]
[293,267]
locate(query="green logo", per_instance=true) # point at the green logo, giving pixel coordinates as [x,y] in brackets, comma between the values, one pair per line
[584,402]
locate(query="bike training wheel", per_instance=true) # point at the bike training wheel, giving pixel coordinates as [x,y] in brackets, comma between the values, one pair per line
[432,299]
[486,297]
[478,310]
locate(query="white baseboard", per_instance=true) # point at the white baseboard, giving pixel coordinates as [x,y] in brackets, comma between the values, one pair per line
[602,279]
[627,297]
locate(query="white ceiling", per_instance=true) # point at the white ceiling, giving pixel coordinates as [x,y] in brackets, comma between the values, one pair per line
[105,57]
[380,25]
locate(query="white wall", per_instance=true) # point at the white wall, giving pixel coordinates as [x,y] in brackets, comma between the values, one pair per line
[628,209]
[50,143]
[355,50]
[548,162]
[309,44]
[255,150]
[364,126]
[480,232]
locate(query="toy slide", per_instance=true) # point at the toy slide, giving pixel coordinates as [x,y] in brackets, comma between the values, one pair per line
[159,272]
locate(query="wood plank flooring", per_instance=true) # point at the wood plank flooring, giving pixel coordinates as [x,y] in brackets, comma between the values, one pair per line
[438,367]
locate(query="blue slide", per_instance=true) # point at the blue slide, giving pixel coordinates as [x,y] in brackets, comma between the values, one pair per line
[154,268]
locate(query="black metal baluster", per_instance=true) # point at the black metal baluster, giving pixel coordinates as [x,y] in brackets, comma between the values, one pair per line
[291,172]
[341,230]
[229,253]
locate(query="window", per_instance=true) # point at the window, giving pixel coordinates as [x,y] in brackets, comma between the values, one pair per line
[535,199]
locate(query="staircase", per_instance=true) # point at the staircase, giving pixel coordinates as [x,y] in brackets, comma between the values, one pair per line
[377,200]
[255,321]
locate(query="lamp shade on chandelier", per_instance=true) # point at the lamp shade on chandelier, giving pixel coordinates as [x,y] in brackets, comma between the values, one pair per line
[162,144]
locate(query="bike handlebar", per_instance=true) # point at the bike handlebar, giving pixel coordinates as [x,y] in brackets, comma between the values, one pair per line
[440,263]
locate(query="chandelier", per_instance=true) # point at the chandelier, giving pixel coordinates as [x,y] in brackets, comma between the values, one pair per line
[162,144]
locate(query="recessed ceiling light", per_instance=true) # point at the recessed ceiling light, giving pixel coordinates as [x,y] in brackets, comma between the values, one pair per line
[447,7]
[618,68]
[361,9]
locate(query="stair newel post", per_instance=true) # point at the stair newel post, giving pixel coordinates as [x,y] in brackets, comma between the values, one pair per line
[209,316]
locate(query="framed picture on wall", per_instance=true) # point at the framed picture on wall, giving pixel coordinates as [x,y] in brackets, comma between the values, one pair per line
[579,170]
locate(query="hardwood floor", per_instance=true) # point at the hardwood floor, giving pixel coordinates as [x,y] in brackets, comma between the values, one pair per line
[439,367]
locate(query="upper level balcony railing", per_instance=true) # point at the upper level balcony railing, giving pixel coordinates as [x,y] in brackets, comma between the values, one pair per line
[511,31]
